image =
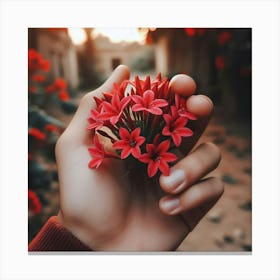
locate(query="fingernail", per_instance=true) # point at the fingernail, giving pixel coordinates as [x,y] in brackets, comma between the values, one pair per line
[171,205]
[175,181]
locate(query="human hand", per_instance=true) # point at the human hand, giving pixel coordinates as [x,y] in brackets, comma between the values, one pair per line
[103,209]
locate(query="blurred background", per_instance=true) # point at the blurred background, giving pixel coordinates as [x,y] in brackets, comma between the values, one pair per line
[66,63]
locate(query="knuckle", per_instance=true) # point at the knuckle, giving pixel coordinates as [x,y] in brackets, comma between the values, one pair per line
[61,143]
[214,150]
[87,98]
[218,185]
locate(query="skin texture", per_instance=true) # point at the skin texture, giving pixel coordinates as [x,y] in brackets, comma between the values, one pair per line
[108,212]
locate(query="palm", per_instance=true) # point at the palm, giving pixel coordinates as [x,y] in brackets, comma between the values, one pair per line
[117,213]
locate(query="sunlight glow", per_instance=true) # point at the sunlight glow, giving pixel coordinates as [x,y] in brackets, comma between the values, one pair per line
[117,35]
[77,35]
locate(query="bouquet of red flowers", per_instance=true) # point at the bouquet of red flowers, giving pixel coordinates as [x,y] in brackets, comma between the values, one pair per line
[143,120]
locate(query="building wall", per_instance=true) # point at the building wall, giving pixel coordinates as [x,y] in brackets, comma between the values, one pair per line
[59,50]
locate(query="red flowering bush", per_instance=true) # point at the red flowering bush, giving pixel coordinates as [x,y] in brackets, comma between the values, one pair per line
[34,203]
[38,84]
[143,120]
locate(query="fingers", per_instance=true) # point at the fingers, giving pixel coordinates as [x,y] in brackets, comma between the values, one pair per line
[200,105]
[203,193]
[183,85]
[191,169]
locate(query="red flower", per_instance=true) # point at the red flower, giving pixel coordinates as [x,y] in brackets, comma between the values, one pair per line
[63,95]
[60,84]
[34,204]
[114,110]
[38,78]
[95,120]
[148,103]
[190,31]
[175,127]
[50,89]
[224,37]
[45,65]
[157,157]
[220,62]
[36,62]
[51,127]
[97,152]
[32,89]
[130,142]
[36,133]
[180,103]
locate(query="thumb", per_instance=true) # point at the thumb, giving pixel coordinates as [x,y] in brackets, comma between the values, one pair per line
[76,130]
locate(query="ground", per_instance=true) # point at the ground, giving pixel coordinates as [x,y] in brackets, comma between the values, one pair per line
[228,225]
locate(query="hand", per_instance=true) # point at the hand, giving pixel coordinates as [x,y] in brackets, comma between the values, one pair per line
[102,209]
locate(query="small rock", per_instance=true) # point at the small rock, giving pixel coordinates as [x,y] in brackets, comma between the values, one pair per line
[228,239]
[232,148]
[229,179]
[219,243]
[247,247]
[215,216]
[240,154]
[238,233]
[247,170]
[247,206]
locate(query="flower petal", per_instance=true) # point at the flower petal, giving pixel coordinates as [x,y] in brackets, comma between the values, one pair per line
[166,131]
[137,107]
[124,134]
[184,131]
[108,108]
[159,103]
[120,144]
[148,97]
[150,148]
[136,152]
[180,122]
[124,102]
[135,133]
[176,139]
[164,168]
[169,157]
[154,110]
[167,118]
[95,163]
[140,140]
[145,158]
[163,146]
[152,168]
[116,101]
[115,119]
[125,152]
[137,99]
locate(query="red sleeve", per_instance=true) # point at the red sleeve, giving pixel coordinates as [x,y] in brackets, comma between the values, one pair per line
[54,237]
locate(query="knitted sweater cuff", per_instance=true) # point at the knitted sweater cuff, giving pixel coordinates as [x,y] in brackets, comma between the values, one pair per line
[54,237]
